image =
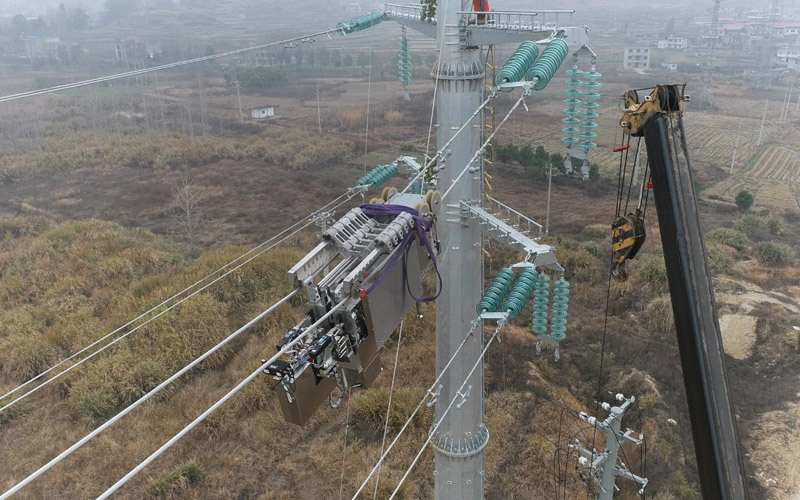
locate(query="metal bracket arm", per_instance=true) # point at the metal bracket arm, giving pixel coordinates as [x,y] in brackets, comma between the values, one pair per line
[475,216]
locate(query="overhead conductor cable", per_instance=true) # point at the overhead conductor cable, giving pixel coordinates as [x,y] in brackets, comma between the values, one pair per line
[150,394]
[216,405]
[161,313]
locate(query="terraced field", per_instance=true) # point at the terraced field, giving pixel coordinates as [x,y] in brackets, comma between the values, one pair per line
[773,177]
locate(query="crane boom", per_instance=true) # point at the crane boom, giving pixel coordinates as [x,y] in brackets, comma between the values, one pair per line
[719,458]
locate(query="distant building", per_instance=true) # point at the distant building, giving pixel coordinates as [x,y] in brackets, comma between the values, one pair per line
[263,112]
[789,57]
[40,47]
[636,56]
[669,67]
[674,43]
[133,50]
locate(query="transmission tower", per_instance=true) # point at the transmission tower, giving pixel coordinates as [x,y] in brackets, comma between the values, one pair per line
[764,75]
[459,460]
[712,36]
[606,466]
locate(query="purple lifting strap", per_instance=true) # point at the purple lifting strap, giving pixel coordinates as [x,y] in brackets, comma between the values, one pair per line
[423,226]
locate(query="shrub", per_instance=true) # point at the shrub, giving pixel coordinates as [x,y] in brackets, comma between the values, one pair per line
[658,315]
[718,259]
[598,231]
[744,200]
[773,254]
[579,263]
[730,237]
[650,268]
[371,406]
[774,225]
[176,481]
[25,356]
[596,249]
[594,172]
[95,402]
[750,221]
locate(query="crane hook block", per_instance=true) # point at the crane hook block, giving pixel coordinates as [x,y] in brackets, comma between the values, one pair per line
[627,237]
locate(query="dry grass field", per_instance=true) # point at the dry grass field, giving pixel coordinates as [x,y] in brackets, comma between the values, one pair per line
[91,237]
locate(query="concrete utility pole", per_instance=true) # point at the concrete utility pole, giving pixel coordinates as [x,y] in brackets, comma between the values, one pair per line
[462,436]
[763,120]
[606,466]
[239,100]
[736,146]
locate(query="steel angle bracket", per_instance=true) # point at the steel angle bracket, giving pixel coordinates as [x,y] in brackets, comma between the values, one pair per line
[537,254]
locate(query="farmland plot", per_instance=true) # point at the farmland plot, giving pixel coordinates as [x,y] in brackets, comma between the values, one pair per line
[773,177]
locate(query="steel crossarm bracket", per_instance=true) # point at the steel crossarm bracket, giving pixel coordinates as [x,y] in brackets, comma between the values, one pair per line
[411,16]
[499,27]
[498,229]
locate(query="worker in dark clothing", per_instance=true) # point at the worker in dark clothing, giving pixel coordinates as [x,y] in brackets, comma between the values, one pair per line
[481,6]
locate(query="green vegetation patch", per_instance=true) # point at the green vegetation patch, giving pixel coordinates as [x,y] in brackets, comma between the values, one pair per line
[371,407]
[75,282]
[175,482]
[729,237]
[774,254]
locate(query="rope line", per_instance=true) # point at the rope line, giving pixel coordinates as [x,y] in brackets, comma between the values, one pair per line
[344,447]
[436,90]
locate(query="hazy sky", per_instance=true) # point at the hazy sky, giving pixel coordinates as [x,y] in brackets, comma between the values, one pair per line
[41,7]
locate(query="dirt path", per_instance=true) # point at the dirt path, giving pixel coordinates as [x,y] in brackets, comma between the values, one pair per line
[777,434]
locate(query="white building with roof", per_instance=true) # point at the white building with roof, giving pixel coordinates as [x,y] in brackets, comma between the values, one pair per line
[636,56]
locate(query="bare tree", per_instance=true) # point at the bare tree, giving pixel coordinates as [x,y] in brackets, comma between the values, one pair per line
[188,217]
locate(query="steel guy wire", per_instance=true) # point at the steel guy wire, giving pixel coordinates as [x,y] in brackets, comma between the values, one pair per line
[389,406]
[441,419]
[127,74]
[154,308]
[147,396]
[216,405]
[480,150]
[430,392]
[161,313]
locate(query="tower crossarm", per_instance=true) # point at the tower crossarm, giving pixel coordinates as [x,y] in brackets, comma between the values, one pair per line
[606,466]
[508,227]
[477,29]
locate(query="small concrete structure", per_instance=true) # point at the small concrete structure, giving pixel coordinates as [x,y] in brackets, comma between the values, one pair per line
[669,67]
[674,43]
[263,112]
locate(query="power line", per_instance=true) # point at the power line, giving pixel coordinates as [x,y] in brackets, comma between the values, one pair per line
[154,308]
[432,432]
[216,405]
[128,74]
[480,150]
[161,313]
[389,406]
[440,153]
[430,392]
[144,398]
